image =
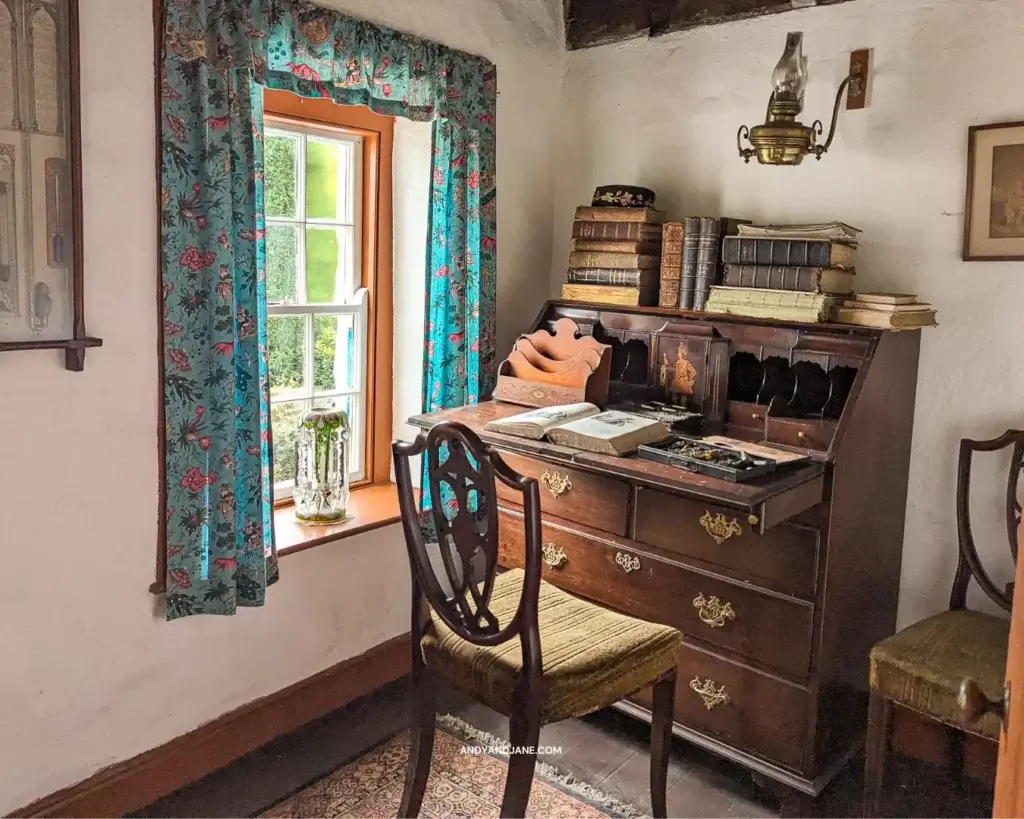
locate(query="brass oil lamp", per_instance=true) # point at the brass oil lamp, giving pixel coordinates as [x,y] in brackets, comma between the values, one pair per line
[781,140]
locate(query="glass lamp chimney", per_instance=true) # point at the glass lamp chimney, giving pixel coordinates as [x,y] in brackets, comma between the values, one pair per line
[790,76]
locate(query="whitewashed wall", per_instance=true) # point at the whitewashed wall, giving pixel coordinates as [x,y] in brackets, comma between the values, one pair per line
[664,113]
[90,674]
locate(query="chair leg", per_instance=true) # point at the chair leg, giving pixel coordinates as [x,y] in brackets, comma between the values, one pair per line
[523,736]
[421,745]
[875,752]
[956,739]
[662,714]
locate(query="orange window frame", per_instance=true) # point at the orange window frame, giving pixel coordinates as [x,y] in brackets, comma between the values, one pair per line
[378,133]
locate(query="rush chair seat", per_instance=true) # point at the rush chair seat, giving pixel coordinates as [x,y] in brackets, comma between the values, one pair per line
[929,667]
[511,641]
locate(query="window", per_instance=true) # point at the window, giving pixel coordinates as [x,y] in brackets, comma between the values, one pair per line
[328,287]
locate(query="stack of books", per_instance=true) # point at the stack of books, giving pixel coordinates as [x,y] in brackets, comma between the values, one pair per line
[787,272]
[888,311]
[616,256]
[691,259]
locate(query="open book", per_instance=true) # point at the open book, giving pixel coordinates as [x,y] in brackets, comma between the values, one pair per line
[584,426]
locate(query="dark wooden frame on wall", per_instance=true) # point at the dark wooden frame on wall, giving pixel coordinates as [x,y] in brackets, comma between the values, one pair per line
[972,156]
[74,348]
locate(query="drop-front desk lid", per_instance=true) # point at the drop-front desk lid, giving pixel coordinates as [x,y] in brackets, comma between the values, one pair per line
[773,499]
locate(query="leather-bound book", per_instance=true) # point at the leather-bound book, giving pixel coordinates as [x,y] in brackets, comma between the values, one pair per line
[621,261]
[605,214]
[709,254]
[616,231]
[627,246]
[671,263]
[775,277]
[646,279]
[688,278]
[708,244]
[611,294]
[787,252]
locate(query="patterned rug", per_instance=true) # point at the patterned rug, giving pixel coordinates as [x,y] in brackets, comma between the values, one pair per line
[462,784]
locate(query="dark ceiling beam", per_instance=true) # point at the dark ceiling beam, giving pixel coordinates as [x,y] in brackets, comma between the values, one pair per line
[597,22]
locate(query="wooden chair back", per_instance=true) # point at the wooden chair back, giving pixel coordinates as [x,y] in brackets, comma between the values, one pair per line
[461,471]
[969,564]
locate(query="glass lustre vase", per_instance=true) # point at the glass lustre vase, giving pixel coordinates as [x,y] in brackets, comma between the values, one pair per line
[321,468]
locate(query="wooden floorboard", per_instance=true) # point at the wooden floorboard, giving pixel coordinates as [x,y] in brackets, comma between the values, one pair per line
[607,750]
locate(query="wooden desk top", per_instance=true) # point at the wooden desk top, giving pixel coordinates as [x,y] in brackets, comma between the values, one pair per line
[672,479]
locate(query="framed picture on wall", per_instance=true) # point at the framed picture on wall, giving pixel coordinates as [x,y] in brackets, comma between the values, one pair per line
[994,213]
[41,302]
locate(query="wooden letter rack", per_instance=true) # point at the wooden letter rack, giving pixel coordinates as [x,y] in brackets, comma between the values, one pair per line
[547,369]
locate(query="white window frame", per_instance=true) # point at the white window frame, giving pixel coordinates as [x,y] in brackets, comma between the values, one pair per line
[356,306]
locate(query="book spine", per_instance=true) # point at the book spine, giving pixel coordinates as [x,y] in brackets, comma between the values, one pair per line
[613,276]
[621,296]
[748,250]
[707,259]
[599,246]
[615,231]
[773,277]
[585,213]
[766,298]
[688,277]
[620,261]
[809,315]
[671,263]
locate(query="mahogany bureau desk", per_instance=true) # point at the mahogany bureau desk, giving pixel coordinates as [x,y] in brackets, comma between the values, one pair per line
[780,586]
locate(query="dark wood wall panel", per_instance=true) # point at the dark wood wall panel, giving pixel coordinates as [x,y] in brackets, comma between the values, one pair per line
[595,22]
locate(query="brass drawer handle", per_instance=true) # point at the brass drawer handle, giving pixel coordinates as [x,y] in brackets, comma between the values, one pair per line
[629,563]
[713,695]
[713,611]
[553,556]
[555,483]
[720,527]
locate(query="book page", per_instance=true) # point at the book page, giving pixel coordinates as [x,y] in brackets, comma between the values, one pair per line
[537,423]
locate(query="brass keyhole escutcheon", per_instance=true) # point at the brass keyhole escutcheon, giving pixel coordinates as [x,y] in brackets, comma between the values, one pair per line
[556,483]
[720,527]
[628,563]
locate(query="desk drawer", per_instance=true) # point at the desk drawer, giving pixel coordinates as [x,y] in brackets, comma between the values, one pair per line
[601,503]
[771,631]
[784,558]
[749,710]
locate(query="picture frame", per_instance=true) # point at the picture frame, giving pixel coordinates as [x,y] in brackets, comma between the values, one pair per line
[994,206]
[42,305]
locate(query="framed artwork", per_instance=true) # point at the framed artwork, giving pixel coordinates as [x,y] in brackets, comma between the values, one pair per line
[994,213]
[41,298]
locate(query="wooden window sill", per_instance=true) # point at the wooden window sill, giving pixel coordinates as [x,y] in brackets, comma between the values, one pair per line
[371,507]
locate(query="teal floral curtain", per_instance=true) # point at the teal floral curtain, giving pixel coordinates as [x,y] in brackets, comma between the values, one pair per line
[216,447]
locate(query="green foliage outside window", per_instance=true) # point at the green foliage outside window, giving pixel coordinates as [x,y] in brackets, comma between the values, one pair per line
[286,334]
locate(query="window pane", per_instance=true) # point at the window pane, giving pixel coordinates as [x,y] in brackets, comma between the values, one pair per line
[329,188]
[284,427]
[280,167]
[286,349]
[334,349]
[282,260]
[330,265]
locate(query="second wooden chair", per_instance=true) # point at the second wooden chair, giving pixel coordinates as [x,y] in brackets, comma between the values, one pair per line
[952,665]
